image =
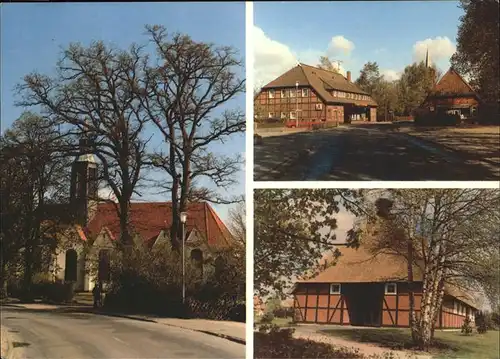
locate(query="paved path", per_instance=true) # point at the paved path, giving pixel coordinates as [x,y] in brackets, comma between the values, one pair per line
[48,333]
[362,152]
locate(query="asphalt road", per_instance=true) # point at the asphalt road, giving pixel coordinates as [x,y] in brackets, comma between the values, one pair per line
[41,334]
[359,153]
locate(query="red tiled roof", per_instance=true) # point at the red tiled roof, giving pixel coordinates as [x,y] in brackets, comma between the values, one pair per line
[149,219]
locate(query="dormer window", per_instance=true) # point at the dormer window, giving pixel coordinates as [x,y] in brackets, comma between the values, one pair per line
[271,93]
[390,288]
[335,288]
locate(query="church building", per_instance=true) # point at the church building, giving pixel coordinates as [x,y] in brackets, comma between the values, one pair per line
[88,227]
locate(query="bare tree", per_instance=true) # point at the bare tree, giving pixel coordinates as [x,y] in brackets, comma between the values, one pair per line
[95,93]
[182,94]
[237,217]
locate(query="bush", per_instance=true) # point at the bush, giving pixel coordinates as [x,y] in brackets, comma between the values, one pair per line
[437,119]
[268,317]
[273,342]
[467,326]
[481,322]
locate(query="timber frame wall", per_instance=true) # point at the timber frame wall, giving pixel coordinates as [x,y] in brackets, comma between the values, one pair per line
[313,303]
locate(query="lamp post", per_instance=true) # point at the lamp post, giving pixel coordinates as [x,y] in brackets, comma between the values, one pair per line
[297,104]
[183,234]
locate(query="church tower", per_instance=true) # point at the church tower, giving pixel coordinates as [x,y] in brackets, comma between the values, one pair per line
[432,70]
[83,188]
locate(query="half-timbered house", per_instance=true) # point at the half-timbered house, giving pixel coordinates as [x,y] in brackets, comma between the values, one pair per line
[363,289]
[306,95]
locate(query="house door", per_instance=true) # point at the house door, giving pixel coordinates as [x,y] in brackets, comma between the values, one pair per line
[364,303]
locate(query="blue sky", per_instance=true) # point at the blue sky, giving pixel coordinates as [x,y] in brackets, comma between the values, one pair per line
[32,36]
[392,33]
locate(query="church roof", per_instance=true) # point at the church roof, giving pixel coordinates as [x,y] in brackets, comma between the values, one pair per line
[322,81]
[148,219]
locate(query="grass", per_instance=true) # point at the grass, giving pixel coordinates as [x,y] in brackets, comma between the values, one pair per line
[450,344]
[280,322]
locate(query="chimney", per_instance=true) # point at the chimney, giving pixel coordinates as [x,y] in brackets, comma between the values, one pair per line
[349,76]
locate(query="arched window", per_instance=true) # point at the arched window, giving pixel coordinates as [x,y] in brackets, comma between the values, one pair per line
[197,259]
[104,265]
[71,265]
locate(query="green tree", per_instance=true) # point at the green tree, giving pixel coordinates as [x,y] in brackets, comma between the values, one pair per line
[414,85]
[478,50]
[292,230]
[35,172]
[369,77]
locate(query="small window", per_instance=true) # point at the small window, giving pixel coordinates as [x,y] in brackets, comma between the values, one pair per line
[390,288]
[270,115]
[292,93]
[292,115]
[271,93]
[283,93]
[335,288]
[334,93]
[283,115]
[348,95]
[305,92]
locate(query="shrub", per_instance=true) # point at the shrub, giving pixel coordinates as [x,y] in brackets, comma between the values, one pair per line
[273,342]
[268,317]
[467,326]
[481,322]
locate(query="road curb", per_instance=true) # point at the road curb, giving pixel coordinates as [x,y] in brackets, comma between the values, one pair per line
[224,336]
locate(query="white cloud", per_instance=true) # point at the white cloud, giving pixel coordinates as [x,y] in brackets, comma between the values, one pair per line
[440,49]
[339,45]
[272,58]
[390,75]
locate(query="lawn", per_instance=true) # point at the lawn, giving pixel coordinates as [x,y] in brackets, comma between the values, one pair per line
[449,344]
[280,322]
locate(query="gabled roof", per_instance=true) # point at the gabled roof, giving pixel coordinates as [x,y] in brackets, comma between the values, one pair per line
[322,81]
[362,266]
[149,219]
[452,83]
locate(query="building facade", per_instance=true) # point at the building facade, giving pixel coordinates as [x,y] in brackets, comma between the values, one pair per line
[363,290]
[452,95]
[306,95]
[87,229]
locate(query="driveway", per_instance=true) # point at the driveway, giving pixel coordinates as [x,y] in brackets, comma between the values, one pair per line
[363,153]
[45,333]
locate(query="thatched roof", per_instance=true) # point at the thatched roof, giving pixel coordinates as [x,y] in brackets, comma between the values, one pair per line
[362,266]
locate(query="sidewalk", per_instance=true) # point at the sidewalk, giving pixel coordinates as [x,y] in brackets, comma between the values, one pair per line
[234,331]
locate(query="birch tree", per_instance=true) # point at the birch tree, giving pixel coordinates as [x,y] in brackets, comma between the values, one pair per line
[450,234]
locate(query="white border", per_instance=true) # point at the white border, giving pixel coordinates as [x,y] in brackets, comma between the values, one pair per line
[249,184]
[374,184]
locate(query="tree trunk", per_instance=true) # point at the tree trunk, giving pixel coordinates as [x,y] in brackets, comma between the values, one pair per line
[413,324]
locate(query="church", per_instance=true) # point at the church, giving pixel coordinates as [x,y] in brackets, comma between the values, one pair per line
[86,228]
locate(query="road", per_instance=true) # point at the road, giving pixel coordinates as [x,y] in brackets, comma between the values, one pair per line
[56,334]
[359,153]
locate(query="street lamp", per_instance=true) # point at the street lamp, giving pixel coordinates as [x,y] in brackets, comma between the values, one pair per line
[183,234]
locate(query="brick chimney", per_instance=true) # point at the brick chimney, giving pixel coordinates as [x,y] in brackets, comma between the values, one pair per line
[349,76]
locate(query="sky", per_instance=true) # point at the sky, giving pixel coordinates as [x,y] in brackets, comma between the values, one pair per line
[392,33]
[32,36]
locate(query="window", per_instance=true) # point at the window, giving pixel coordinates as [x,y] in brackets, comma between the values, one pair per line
[455,307]
[335,288]
[390,288]
[292,115]
[292,93]
[271,93]
[334,93]
[270,115]
[283,93]
[283,115]
[348,95]
[305,92]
